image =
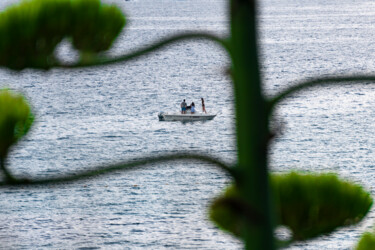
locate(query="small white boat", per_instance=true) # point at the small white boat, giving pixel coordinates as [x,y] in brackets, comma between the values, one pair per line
[188,117]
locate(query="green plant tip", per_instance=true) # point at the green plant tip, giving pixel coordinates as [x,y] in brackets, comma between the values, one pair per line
[308,204]
[15,119]
[31,30]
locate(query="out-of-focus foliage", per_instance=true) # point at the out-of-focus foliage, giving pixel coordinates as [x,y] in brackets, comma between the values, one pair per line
[31,30]
[15,119]
[367,242]
[95,25]
[309,205]
[225,217]
[316,204]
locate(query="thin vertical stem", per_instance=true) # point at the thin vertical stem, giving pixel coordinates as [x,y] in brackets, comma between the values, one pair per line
[251,122]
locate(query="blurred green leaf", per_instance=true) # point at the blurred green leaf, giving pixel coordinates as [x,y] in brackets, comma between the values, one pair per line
[95,25]
[31,30]
[16,119]
[309,205]
[367,242]
[225,217]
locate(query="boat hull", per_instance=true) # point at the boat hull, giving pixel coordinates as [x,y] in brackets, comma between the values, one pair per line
[185,117]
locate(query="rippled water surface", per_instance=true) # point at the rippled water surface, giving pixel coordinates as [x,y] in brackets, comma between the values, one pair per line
[89,117]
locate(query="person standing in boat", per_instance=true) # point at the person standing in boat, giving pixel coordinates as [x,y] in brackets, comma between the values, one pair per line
[203,106]
[192,108]
[183,107]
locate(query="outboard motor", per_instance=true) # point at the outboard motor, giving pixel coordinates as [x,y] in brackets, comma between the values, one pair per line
[161,116]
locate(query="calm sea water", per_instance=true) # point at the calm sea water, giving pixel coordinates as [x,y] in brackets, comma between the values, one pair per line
[89,117]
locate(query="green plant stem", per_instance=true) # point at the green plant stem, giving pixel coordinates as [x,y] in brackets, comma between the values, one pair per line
[317,82]
[124,166]
[8,176]
[251,123]
[100,61]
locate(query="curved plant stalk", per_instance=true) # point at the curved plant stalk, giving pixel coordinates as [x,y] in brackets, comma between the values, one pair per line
[124,166]
[320,81]
[100,61]
[9,178]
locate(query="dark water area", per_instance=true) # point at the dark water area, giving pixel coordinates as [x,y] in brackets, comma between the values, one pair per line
[94,116]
